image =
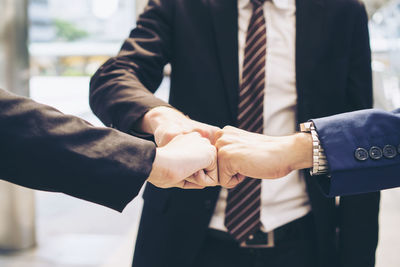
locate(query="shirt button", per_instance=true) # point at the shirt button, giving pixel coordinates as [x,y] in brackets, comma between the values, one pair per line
[375,153]
[389,151]
[361,154]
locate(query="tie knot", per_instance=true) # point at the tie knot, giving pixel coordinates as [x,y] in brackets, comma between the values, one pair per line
[257,3]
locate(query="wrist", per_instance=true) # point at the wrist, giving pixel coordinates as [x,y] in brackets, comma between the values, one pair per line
[158,169]
[156,116]
[302,151]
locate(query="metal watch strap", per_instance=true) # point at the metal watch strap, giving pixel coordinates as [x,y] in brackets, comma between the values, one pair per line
[320,163]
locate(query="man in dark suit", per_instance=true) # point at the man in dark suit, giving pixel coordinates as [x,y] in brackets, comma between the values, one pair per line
[360,150]
[42,148]
[262,66]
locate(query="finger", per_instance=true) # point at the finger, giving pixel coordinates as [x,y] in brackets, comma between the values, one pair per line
[241,177]
[218,135]
[229,129]
[192,177]
[225,172]
[212,134]
[195,134]
[223,175]
[212,176]
[222,141]
[212,170]
[235,180]
[202,179]
[188,185]
[212,180]
[206,130]
[202,129]
[226,140]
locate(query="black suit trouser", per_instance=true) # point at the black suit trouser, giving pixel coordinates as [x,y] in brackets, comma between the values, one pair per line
[298,249]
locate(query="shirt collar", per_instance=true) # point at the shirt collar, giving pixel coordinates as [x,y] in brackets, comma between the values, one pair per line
[282,4]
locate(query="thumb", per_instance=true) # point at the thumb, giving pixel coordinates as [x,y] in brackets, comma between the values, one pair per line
[235,180]
[224,175]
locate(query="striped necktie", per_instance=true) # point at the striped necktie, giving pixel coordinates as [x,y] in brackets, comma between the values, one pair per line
[242,214]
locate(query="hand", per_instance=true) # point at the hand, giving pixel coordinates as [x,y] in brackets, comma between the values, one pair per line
[165,123]
[188,161]
[241,153]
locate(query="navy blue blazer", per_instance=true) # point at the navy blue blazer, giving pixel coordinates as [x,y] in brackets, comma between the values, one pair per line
[363,151]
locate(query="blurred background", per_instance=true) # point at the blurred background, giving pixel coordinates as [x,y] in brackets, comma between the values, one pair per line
[67,42]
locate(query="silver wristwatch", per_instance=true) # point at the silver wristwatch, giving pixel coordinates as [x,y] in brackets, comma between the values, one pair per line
[320,163]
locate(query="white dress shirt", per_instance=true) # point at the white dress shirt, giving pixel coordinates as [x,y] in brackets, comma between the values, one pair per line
[282,200]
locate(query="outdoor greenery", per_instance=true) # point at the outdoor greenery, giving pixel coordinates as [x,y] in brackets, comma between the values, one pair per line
[67,31]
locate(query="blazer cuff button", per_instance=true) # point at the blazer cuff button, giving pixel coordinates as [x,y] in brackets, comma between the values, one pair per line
[375,153]
[389,151]
[361,154]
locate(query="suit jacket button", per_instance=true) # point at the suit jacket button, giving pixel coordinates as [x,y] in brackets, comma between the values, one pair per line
[375,153]
[389,151]
[361,154]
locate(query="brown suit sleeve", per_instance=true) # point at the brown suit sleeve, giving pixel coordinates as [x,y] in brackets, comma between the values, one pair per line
[41,148]
[121,91]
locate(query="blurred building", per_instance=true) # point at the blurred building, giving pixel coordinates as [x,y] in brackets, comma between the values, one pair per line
[99,20]
[385,43]
[41,24]
[72,38]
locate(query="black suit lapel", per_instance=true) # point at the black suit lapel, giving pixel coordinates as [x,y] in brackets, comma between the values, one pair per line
[310,26]
[225,18]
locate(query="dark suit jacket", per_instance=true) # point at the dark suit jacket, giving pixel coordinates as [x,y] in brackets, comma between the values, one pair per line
[200,40]
[43,149]
[342,135]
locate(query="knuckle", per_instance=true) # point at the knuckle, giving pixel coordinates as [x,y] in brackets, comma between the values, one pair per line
[219,134]
[218,144]
[196,134]
[169,135]
[228,128]
[222,143]
[213,150]
[205,141]
[231,186]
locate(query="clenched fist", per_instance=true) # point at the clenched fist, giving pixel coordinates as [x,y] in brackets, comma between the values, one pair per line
[242,153]
[188,161]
